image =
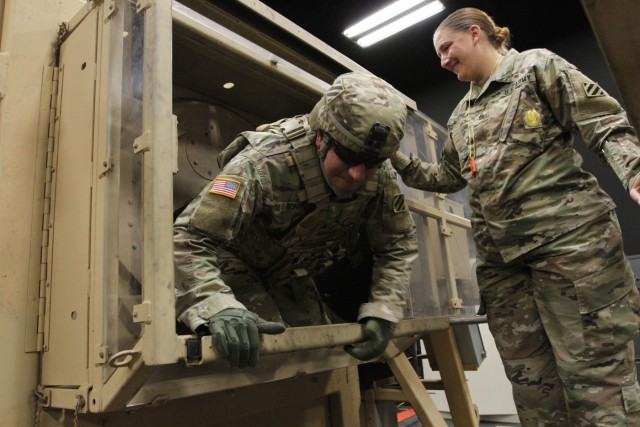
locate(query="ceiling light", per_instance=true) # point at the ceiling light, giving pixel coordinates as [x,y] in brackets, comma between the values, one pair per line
[398,24]
[228,85]
[383,15]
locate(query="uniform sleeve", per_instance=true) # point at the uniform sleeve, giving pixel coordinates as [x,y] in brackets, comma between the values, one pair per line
[223,209]
[230,203]
[200,292]
[392,236]
[442,178]
[581,104]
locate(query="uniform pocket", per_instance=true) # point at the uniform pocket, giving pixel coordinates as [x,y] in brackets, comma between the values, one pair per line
[604,287]
[631,398]
[523,122]
[396,212]
[606,301]
[222,208]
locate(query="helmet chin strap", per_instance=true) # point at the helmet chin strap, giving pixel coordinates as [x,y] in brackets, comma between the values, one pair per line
[324,149]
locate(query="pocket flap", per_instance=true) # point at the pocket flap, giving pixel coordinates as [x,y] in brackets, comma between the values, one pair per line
[604,287]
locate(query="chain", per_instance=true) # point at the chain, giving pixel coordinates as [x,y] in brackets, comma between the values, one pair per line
[79,405]
[37,398]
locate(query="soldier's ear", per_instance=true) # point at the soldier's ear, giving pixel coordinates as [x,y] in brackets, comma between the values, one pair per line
[475,31]
[318,139]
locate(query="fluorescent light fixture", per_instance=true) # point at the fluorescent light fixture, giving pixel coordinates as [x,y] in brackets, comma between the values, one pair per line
[385,14]
[397,25]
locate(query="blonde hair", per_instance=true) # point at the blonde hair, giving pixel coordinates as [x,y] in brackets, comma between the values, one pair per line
[462,19]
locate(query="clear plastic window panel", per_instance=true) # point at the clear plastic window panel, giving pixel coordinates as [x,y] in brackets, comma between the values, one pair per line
[431,294]
[123,272]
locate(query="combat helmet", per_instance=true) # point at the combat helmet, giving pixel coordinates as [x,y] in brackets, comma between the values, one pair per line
[363,114]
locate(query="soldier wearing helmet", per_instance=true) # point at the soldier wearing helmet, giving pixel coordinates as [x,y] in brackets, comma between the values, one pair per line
[293,198]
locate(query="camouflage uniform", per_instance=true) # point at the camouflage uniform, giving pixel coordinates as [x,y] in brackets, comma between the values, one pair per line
[560,295]
[258,246]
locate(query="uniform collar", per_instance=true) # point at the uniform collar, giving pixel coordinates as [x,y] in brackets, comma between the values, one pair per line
[505,68]
[502,74]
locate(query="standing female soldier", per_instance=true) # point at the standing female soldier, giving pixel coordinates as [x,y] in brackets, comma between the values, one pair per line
[559,293]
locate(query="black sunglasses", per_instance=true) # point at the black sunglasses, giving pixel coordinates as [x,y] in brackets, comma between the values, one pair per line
[352,158]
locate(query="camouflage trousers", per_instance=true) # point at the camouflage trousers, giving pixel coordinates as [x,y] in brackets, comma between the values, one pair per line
[296,301]
[564,317]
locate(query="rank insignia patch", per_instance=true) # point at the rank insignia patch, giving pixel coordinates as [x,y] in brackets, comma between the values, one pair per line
[593,89]
[532,118]
[225,187]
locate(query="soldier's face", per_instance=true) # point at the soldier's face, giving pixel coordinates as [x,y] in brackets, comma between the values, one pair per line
[343,179]
[454,48]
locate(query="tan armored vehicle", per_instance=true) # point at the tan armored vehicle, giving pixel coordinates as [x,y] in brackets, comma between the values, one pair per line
[111,115]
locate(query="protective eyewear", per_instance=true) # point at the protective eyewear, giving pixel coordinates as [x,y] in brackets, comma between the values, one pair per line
[352,158]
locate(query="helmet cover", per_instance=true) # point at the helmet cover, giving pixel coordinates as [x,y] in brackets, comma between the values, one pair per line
[363,113]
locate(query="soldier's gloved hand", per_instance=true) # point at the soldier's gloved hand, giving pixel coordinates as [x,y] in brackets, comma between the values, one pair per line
[378,332]
[235,332]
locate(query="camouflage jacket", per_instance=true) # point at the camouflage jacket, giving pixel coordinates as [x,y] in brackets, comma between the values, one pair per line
[529,187]
[258,208]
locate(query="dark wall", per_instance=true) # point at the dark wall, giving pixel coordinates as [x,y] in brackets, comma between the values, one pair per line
[583,51]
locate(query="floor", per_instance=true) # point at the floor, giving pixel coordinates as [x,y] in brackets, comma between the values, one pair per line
[407,419]
[413,422]
[488,424]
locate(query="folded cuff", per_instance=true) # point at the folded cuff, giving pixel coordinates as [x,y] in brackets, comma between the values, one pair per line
[382,310]
[400,161]
[199,314]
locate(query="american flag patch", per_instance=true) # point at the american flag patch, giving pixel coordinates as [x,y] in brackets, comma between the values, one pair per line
[225,187]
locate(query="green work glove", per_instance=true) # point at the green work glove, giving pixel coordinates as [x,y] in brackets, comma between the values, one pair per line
[236,332]
[377,334]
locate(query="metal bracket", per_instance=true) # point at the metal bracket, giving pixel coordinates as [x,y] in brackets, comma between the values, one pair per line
[446,231]
[43,396]
[142,313]
[63,397]
[194,351]
[110,9]
[143,5]
[431,133]
[142,143]
[456,303]
[104,167]
[101,355]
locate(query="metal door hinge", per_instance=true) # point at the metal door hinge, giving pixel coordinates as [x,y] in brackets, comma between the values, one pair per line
[44,289]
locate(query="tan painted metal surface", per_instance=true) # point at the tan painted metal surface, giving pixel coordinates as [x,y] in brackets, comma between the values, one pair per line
[29,31]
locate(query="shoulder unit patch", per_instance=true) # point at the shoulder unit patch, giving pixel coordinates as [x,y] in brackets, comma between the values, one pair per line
[593,89]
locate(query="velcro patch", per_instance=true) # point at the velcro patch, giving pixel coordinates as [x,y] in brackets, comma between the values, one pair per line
[225,187]
[593,89]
